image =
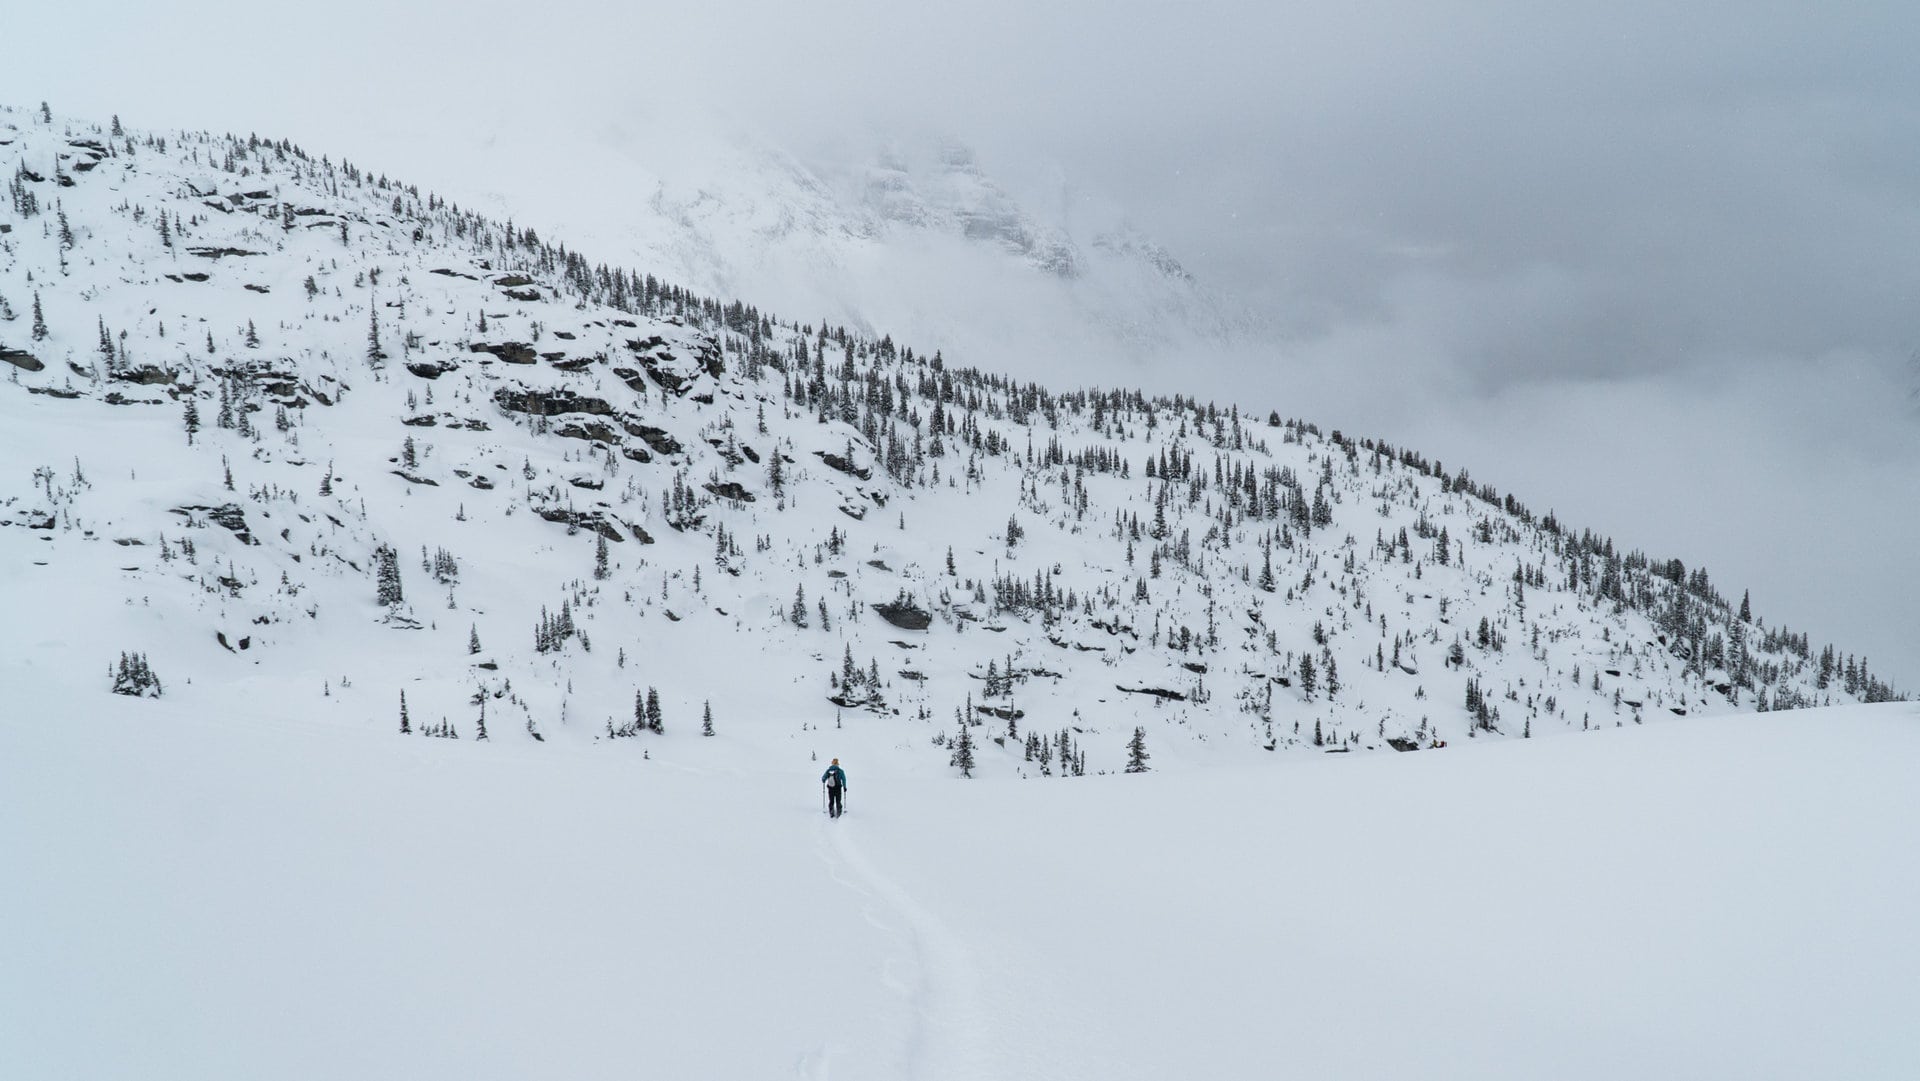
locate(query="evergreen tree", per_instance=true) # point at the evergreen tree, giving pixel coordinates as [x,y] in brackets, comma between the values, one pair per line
[706,719]
[963,750]
[473,638]
[600,558]
[191,410]
[654,723]
[1136,751]
[406,727]
[387,577]
[39,319]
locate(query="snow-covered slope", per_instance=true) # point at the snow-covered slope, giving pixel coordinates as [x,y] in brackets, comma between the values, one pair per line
[209,896]
[918,239]
[802,526]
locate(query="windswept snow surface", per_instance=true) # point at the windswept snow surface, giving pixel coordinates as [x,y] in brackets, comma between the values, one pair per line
[209,897]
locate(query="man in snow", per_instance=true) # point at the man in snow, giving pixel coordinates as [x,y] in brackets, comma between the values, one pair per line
[836,781]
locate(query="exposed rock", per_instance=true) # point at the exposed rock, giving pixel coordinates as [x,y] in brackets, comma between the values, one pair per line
[511,352]
[481,483]
[1005,714]
[424,420]
[834,461]
[146,375]
[905,614]
[564,335]
[593,520]
[632,379]
[1157,692]
[217,253]
[592,484]
[523,294]
[550,402]
[1400,743]
[658,439]
[729,490]
[444,272]
[55,392]
[412,478]
[561,363]
[593,430]
[196,276]
[256,288]
[226,515]
[24,361]
[512,281]
[429,369]
[1195,667]
[675,374]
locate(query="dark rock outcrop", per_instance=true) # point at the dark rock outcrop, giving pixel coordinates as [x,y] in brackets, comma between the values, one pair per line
[550,403]
[1157,692]
[729,490]
[511,352]
[594,430]
[220,253]
[834,461]
[227,515]
[905,614]
[22,360]
[146,375]
[656,438]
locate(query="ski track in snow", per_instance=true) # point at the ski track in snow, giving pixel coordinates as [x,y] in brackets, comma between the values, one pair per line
[931,972]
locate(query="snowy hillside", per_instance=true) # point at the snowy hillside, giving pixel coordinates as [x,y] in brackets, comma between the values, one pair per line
[296,439]
[205,896]
[917,238]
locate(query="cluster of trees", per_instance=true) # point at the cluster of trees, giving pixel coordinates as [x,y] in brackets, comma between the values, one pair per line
[132,677]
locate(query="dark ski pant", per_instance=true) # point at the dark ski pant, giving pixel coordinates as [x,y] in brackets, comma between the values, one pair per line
[833,801]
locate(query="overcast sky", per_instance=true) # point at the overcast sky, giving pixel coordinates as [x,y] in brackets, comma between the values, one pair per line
[1655,265]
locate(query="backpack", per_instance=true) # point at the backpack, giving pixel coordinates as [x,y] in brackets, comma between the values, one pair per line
[833,778]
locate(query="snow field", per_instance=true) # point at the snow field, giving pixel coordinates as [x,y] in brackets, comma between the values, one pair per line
[212,897]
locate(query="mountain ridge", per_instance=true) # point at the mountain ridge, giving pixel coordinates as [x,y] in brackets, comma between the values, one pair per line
[381,372]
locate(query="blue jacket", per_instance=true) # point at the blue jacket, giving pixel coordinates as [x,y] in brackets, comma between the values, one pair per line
[839,775]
